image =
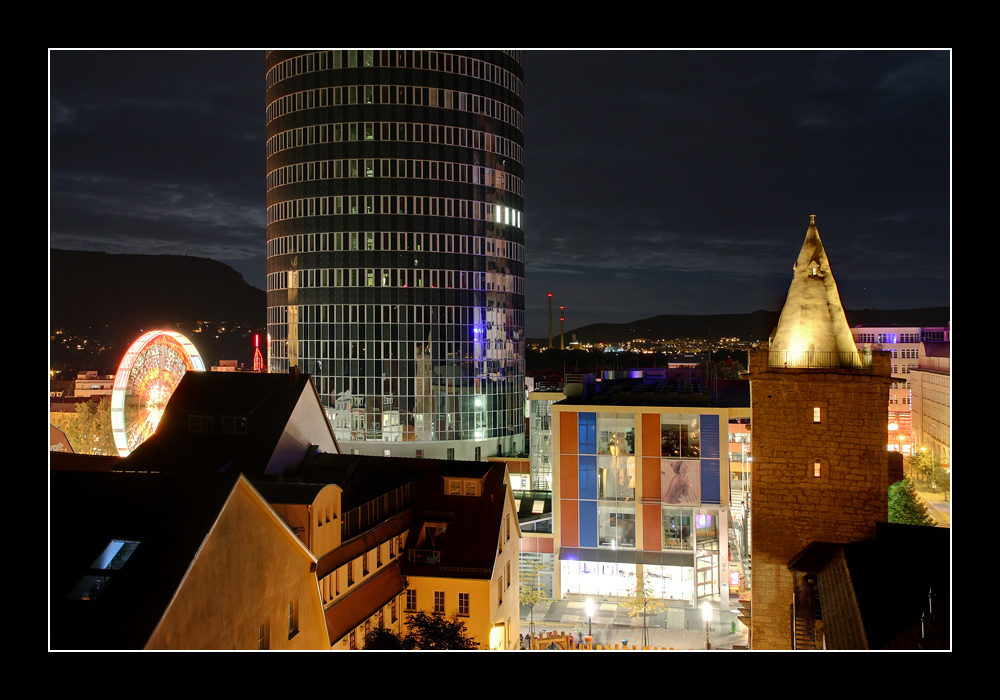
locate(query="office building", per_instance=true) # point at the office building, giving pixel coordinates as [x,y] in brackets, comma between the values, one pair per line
[395,245]
[920,358]
[641,485]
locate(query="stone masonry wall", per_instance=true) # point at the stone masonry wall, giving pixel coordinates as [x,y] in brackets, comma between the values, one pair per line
[790,505]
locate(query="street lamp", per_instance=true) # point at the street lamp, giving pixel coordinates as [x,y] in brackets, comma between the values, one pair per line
[590,615]
[706,615]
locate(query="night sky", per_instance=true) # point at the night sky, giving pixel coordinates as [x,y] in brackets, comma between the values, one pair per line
[663,182]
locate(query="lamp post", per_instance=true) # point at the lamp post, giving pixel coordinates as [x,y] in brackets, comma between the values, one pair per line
[706,615]
[590,620]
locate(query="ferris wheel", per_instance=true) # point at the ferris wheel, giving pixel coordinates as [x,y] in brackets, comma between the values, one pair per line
[147,376]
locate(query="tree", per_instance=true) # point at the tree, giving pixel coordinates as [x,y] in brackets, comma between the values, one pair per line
[383,639]
[90,433]
[904,506]
[925,464]
[943,481]
[532,589]
[643,601]
[435,631]
[426,631]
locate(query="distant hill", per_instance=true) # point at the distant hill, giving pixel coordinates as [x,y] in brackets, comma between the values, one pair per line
[753,326]
[111,299]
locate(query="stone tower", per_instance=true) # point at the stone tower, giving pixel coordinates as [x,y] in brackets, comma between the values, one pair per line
[819,420]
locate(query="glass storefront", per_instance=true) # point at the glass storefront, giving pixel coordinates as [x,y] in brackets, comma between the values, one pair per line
[589,578]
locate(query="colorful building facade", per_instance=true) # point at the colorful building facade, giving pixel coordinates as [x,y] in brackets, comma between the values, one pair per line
[641,490]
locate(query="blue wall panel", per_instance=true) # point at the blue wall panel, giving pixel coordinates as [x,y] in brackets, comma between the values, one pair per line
[710,437]
[588,523]
[588,433]
[588,477]
[710,481]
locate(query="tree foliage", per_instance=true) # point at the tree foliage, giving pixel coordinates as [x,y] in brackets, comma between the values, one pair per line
[424,631]
[435,631]
[383,639]
[642,600]
[925,464]
[532,589]
[904,506]
[90,432]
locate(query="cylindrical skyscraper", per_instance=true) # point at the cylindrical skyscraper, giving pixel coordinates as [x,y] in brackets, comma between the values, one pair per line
[395,244]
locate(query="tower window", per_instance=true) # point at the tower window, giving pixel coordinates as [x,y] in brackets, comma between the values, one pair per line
[816,414]
[817,470]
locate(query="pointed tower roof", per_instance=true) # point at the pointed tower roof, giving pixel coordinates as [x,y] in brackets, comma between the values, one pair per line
[812,320]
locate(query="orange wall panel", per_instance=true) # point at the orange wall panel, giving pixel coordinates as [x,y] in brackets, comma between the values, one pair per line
[569,476]
[569,431]
[651,434]
[650,478]
[651,538]
[569,523]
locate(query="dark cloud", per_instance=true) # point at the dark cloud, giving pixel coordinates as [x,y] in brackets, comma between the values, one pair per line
[656,182]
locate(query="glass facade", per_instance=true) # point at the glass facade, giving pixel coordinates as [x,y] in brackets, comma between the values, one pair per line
[395,244]
[640,489]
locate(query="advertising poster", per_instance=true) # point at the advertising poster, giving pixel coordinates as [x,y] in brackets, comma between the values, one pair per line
[680,481]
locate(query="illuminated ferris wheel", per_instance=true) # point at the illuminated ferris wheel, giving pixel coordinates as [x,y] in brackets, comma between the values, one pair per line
[150,371]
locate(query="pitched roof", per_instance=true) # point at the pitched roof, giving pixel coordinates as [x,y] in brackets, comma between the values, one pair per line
[357,605]
[265,401]
[474,521]
[873,592]
[169,515]
[812,319]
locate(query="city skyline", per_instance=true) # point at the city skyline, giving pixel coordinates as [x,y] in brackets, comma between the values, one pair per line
[664,182]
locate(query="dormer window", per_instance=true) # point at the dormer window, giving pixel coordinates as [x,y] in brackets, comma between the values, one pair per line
[814,269]
[462,487]
[111,558]
[234,425]
[200,424]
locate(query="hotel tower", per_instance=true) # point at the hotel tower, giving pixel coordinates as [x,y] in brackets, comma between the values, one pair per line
[395,244]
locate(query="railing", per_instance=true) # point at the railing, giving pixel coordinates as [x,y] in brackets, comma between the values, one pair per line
[369,514]
[424,556]
[844,360]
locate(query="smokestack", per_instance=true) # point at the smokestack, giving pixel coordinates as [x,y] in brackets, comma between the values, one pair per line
[550,320]
[562,328]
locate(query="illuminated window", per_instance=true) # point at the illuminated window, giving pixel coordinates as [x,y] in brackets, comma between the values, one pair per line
[817,470]
[816,414]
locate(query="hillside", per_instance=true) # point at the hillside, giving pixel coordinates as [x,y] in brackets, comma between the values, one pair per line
[753,326]
[111,299]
